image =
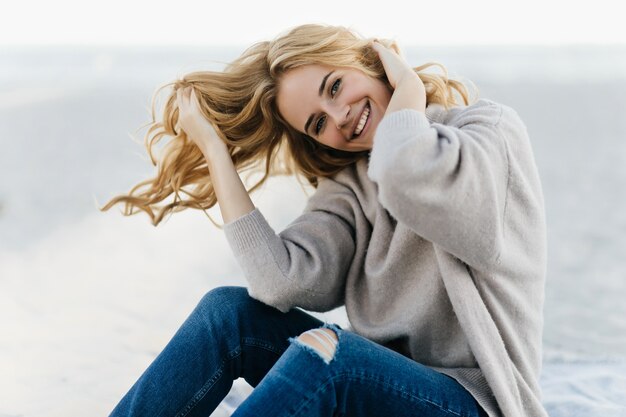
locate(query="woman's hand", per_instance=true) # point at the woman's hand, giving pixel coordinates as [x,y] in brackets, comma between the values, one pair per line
[409,91]
[191,120]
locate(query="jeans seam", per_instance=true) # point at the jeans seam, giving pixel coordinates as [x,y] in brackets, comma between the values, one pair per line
[249,341]
[208,385]
[356,377]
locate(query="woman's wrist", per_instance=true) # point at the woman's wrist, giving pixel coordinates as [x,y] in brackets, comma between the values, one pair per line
[211,148]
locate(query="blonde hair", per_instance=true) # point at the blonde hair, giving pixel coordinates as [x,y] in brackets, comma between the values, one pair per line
[240,101]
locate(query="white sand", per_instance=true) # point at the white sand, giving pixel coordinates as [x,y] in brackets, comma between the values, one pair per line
[88,299]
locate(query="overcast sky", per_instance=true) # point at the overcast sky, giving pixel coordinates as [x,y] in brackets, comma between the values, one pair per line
[210,22]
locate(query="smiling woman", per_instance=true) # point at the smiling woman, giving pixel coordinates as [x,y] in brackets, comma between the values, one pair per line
[406,228]
[243,103]
[343,114]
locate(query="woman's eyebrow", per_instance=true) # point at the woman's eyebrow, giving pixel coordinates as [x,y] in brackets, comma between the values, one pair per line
[321,91]
[323,84]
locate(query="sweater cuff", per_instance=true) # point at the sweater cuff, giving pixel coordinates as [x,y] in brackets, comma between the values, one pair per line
[248,231]
[393,130]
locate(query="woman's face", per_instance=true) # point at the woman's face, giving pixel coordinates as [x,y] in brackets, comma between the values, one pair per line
[339,107]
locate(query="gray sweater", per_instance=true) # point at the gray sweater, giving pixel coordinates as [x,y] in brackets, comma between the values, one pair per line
[436,246]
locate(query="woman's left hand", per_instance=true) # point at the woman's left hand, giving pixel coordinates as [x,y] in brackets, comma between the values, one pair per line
[409,91]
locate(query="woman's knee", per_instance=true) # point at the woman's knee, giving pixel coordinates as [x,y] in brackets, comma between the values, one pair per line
[223,297]
[232,305]
[322,340]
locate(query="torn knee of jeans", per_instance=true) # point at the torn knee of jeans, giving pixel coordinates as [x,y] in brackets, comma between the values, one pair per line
[322,341]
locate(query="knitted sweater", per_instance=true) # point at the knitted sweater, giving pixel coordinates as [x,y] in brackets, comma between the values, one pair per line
[435,244]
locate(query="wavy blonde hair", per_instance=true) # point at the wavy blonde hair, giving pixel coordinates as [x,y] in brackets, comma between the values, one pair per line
[240,101]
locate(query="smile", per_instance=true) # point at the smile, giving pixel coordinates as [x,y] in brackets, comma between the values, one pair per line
[362,121]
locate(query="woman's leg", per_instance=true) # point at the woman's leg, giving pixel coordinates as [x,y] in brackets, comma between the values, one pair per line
[355,378]
[228,335]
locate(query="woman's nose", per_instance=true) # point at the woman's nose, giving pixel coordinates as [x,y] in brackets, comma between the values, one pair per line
[340,115]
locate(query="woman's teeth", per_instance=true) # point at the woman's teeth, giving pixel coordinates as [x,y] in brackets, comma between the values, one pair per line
[364,116]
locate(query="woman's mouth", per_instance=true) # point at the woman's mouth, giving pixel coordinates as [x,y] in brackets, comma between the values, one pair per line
[363,121]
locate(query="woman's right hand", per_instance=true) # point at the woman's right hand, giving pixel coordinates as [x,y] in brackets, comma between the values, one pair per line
[191,120]
[231,193]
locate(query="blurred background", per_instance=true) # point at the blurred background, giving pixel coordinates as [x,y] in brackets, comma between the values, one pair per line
[88,299]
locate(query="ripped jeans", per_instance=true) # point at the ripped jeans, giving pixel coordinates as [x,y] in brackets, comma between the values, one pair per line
[231,335]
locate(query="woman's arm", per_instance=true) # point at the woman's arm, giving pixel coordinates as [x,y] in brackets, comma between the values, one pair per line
[231,194]
[306,264]
[446,182]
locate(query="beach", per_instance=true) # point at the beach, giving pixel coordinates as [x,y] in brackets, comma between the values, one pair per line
[88,299]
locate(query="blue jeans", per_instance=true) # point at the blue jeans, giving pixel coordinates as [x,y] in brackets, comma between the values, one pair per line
[231,335]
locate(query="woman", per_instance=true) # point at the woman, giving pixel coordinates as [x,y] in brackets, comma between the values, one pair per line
[427,223]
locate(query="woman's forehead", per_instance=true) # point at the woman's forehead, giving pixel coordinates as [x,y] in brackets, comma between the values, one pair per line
[306,77]
[299,91]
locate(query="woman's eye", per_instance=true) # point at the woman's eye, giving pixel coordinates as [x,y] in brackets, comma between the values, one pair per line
[319,124]
[333,91]
[335,87]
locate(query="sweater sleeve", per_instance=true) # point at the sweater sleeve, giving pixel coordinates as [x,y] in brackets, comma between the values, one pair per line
[304,265]
[448,182]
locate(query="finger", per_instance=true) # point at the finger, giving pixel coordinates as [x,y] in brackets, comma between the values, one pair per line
[384,52]
[188,92]
[376,46]
[193,101]
[180,97]
[378,49]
